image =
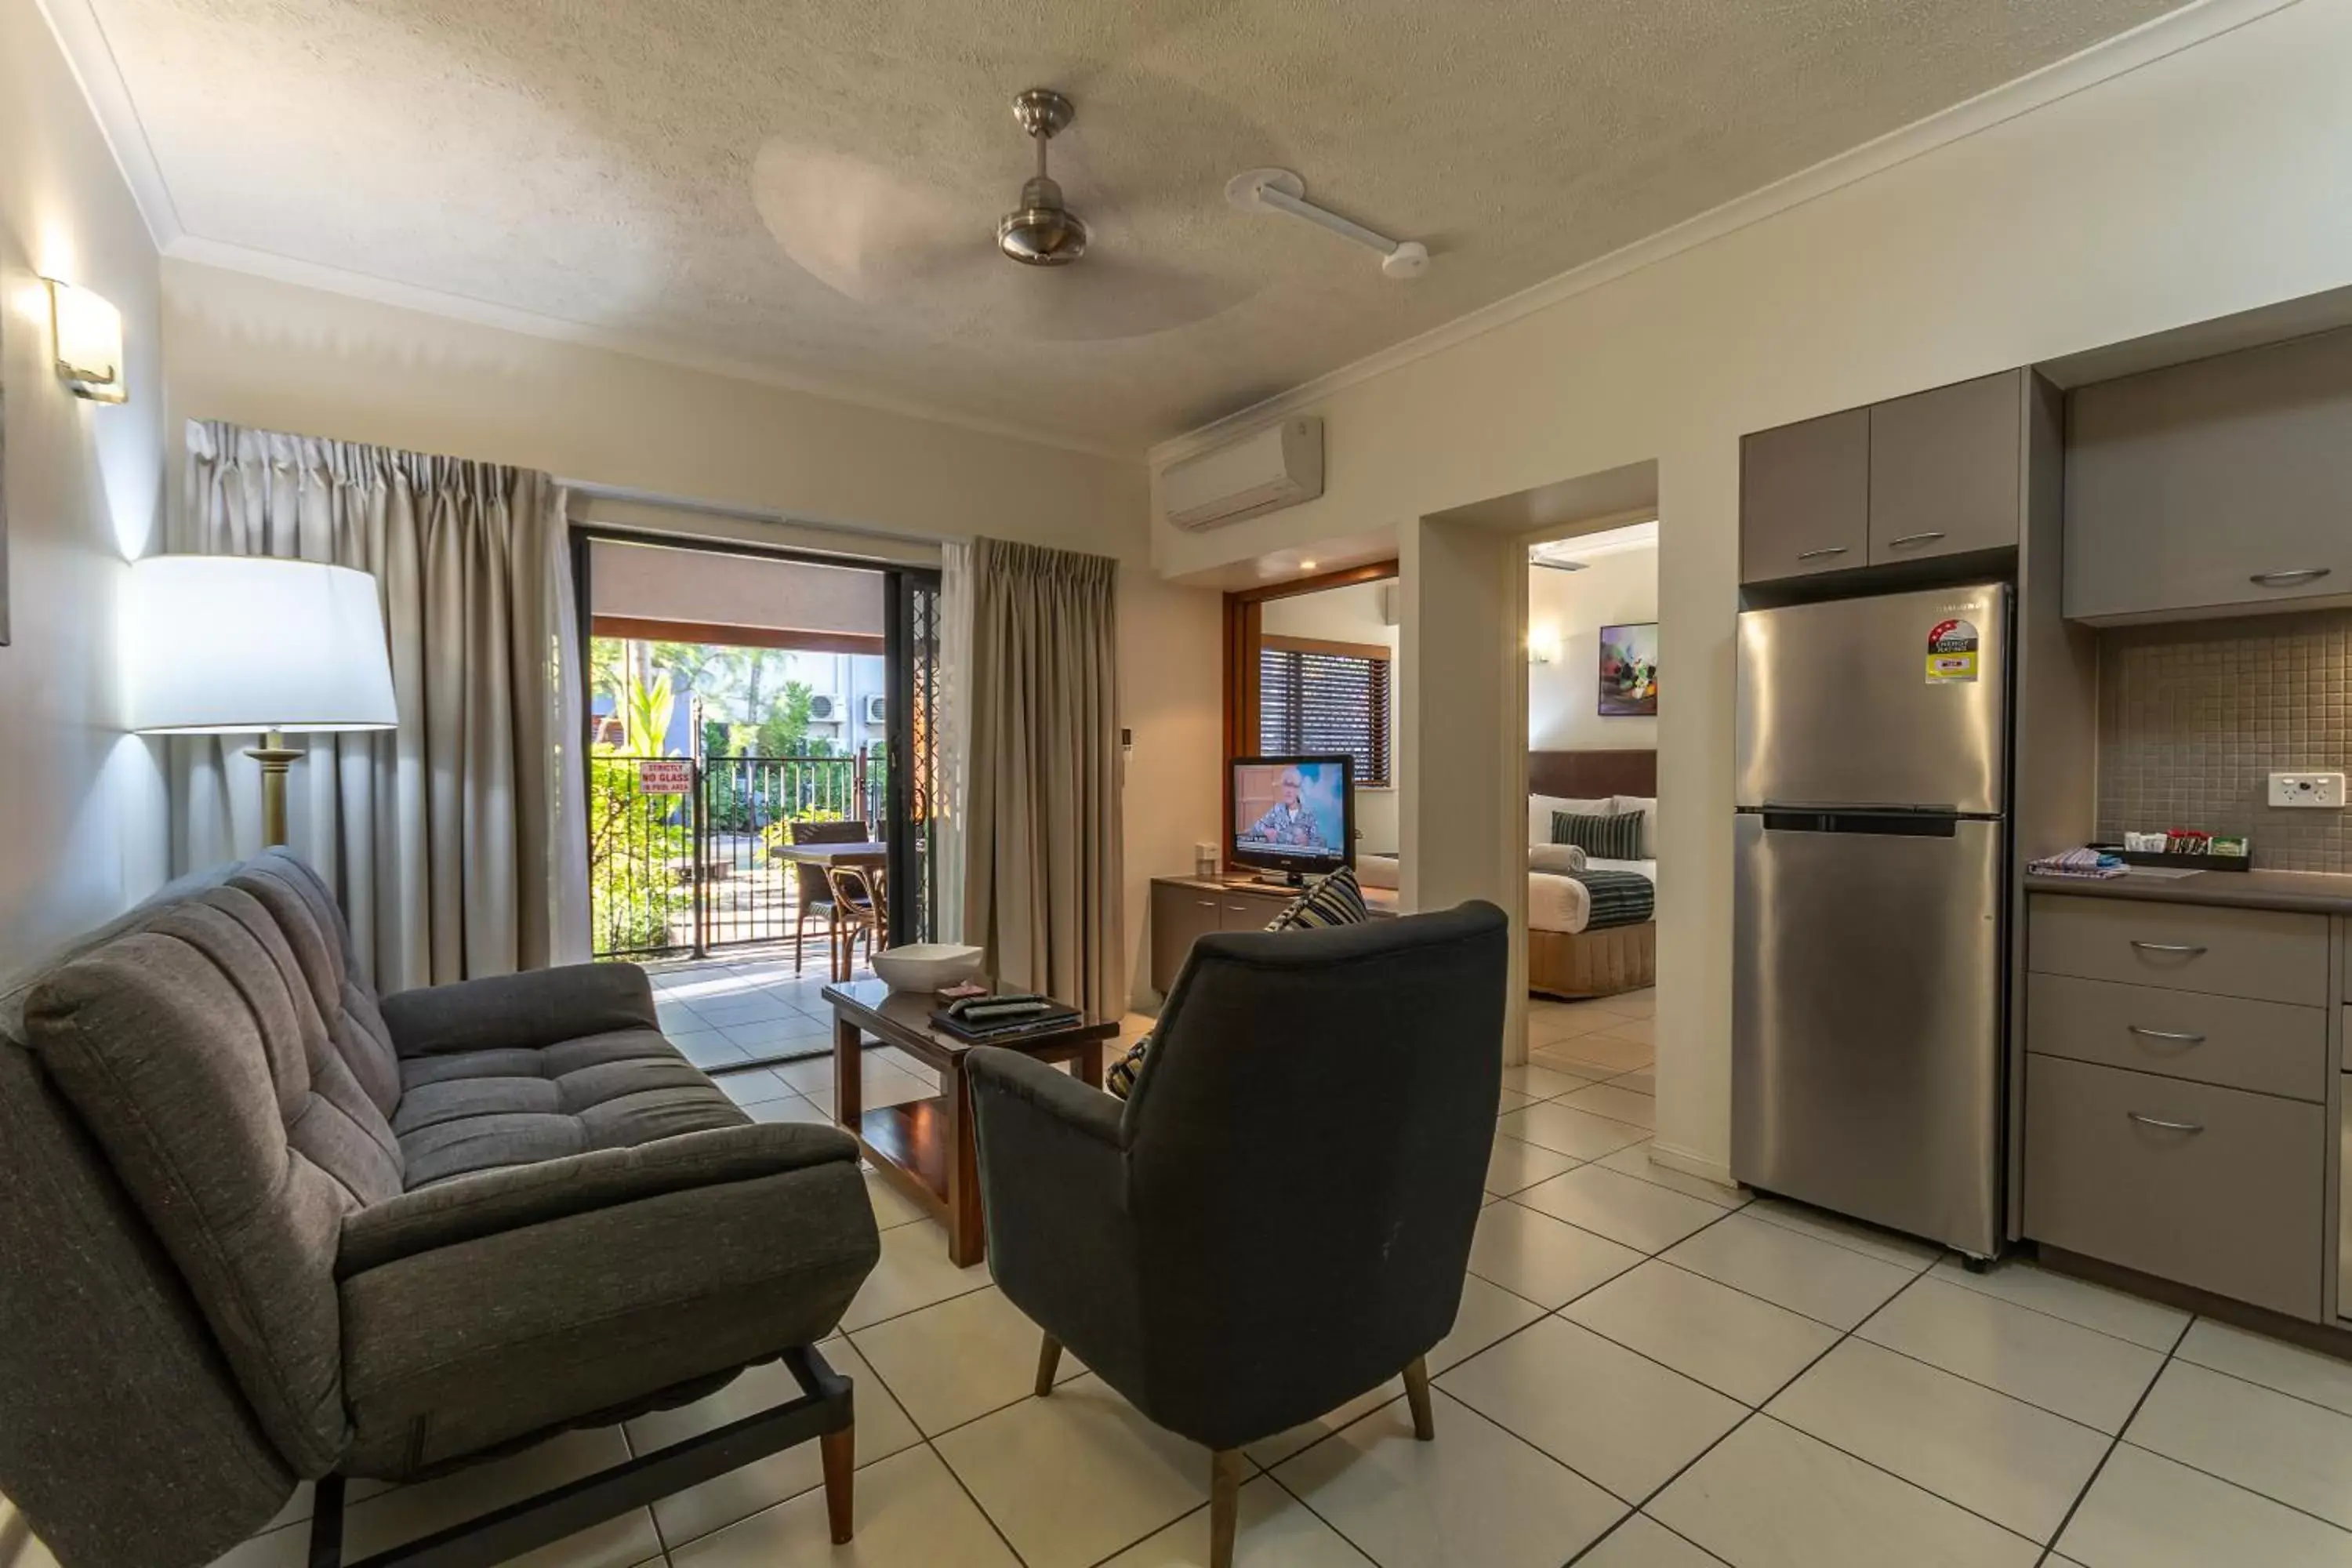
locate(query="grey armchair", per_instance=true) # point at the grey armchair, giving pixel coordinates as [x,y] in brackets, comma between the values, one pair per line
[1279,1216]
[260,1228]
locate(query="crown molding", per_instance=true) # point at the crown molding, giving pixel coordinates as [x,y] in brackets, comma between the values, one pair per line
[82,40]
[2194,23]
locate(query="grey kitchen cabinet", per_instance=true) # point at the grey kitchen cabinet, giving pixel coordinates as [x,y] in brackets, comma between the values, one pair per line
[2212,1187]
[1804,498]
[1947,469]
[2219,485]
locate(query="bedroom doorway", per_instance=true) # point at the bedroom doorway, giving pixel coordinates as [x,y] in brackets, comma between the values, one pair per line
[1593,686]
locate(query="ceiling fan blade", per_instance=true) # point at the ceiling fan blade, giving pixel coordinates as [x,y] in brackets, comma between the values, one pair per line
[1107,296]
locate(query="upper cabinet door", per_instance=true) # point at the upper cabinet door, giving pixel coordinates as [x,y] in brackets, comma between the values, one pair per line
[1804,497]
[1946,470]
[2222,484]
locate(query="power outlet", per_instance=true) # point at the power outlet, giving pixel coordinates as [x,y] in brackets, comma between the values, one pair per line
[2322,792]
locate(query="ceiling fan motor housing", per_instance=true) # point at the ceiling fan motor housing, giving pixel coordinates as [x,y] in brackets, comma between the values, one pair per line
[1042,232]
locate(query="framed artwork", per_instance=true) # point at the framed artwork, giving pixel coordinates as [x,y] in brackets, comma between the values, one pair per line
[1629,671]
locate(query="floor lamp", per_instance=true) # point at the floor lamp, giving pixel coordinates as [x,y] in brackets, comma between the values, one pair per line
[231,645]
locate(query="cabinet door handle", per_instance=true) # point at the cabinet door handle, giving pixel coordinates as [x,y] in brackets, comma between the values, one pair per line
[2189,947]
[1825,551]
[2167,1126]
[1914,539]
[1238,909]
[2292,577]
[2148,1034]
[1207,903]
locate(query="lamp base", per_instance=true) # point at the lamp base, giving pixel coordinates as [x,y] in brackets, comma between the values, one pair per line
[276,758]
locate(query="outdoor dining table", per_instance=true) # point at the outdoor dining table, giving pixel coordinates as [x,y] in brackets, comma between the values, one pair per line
[871,855]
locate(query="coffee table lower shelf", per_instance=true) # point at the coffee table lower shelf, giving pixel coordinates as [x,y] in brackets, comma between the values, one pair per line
[909,1145]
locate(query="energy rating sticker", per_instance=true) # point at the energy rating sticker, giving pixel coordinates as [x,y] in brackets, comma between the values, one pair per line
[1951,653]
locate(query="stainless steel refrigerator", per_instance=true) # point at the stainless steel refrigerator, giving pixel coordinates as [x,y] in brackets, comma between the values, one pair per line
[1872,844]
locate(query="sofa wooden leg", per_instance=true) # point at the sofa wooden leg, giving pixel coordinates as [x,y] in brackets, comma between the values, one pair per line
[1416,1395]
[1049,1361]
[1225,1467]
[840,1450]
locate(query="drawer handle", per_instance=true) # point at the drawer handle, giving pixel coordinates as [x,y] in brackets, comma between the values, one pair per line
[2290,578]
[2183,947]
[2167,1126]
[1914,539]
[1824,550]
[2148,1034]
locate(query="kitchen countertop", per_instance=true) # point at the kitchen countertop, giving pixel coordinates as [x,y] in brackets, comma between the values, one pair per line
[2320,892]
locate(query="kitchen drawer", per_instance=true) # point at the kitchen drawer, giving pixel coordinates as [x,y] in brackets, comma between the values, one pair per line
[2263,954]
[2228,1199]
[2271,1047]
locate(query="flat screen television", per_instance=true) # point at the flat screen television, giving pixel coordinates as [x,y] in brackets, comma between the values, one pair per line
[1295,815]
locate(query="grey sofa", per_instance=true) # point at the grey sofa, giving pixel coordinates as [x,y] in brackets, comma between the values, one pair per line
[1279,1216]
[259,1227]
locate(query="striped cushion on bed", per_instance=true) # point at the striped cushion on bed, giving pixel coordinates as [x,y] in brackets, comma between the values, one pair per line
[1613,838]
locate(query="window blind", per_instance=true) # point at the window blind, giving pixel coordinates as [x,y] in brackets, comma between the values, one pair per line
[1314,699]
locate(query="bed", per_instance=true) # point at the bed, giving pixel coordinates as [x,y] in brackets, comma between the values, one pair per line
[1568,954]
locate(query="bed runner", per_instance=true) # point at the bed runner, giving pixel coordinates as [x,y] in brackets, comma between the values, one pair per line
[1617,898]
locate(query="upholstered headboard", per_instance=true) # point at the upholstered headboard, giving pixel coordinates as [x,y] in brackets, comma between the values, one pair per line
[1584,775]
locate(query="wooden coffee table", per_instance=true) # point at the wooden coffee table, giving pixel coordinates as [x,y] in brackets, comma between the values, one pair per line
[925,1147]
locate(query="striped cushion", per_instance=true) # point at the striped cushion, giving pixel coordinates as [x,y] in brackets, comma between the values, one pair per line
[1119,1077]
[1337,900]
[1615,838]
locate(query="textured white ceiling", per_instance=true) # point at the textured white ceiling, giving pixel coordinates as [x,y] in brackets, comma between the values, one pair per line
[813,187]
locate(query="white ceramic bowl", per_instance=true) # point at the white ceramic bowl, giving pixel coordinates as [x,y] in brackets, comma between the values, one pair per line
[926,965]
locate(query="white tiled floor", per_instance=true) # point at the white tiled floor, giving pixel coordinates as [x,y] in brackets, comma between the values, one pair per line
[1648,1370]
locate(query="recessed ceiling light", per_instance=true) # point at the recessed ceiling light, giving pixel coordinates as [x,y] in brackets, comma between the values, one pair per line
[1306,567]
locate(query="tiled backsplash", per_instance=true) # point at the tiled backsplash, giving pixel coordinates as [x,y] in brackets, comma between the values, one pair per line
[2193,716]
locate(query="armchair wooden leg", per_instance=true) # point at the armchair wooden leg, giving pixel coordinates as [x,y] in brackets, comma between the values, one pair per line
[840,1452]
[1416,1395]
[1225,1467]
[1049,1360]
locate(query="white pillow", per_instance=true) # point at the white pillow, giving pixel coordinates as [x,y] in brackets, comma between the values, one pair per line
[1559,858]
[1377,871]
[1647,805]
[1542,807]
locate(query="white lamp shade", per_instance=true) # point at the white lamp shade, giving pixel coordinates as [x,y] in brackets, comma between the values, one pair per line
[235,644]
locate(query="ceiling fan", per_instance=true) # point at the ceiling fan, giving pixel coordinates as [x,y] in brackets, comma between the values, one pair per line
[1042,231]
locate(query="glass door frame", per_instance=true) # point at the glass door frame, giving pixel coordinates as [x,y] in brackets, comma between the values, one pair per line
[902,583]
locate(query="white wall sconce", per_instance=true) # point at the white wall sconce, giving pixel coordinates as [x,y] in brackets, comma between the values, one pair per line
[1543,643]
[88,331]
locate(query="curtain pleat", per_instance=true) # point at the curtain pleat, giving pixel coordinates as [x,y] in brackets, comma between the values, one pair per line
[1043,885]
[451,839]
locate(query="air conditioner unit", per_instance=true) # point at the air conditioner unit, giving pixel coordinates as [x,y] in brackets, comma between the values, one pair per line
[824,709]
[1279,465]
[874,709]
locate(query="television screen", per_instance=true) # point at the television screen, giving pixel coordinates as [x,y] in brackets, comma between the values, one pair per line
[1292,812]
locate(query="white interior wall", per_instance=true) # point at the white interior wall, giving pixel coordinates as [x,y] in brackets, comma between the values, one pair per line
[2203,182]
[1351,614]
[279,356]
[1564,695]
[82,825]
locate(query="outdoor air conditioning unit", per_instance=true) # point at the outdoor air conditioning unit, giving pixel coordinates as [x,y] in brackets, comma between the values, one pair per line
[1279,465]
[824,710]
[874,709]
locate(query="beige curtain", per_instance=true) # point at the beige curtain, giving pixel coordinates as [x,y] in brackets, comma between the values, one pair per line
[455,843]
[1043,889]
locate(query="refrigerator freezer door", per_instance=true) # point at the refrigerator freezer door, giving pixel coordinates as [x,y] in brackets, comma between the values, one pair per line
[1866,1008]
[1897,700]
